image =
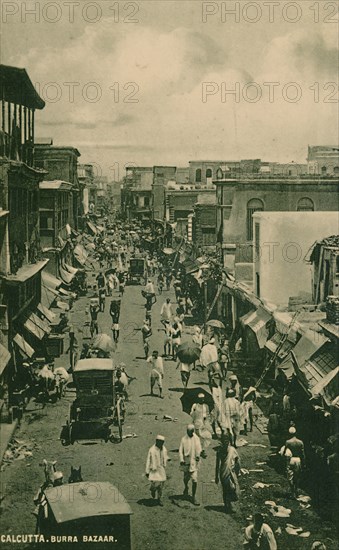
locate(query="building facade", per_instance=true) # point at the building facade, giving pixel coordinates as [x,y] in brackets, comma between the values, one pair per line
[323,160]
[239,199]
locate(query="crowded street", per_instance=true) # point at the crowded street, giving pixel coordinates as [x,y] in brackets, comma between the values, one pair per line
[179,521]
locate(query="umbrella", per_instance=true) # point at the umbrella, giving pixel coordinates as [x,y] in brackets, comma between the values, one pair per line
[215,324]
[168,251]
[188,353]
[190,397]
[103,342]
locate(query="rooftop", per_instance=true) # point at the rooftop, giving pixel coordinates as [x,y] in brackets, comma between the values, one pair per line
[18,88]
[56,185]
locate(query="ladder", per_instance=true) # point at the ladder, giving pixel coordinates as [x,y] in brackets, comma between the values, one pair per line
[279,346]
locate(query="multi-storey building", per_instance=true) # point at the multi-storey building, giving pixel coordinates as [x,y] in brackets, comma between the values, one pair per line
[323,160]
[21,261]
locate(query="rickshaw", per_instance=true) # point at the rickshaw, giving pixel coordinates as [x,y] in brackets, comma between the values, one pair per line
[89,513]
[97,406]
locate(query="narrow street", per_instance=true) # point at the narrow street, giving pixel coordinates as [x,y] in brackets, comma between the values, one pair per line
[178,524]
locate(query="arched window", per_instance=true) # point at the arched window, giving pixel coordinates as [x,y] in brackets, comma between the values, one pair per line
[336,170]
[198,175]
[220,174]
[254,205]
[305,205]
[323,170]
[208,173]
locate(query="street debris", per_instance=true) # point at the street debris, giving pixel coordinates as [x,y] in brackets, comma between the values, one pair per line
[19,450]
[241,442]
[260,485]
[296,531]
[277,510]
[129,436]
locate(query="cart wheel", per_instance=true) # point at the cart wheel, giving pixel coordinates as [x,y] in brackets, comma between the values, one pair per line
[71,435]
[64,436]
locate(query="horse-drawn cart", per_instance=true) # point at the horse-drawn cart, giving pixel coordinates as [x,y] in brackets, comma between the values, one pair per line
[97,407]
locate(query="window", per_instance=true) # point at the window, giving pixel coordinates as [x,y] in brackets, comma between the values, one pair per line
[198,175]
[254,205]
[257,240]
[336,170]
[46,221]
[305,205]
[208,236]
[220,174]
[323,170]
[208,173]
[146,202]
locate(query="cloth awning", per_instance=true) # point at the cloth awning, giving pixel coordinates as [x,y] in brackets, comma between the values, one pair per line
[191,266]
[4,358]
[50,281]
[257,322]
[92,228]
[322,386]
[50,316]
[37,326]
[24,347]
[67,274]
[80,254]
[48,295]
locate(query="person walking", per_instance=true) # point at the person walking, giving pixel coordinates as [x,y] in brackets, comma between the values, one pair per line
[176,339]
[189,456]
[166,312]
[200,415]
[101,281]
[227,469]
[94,310]
[259,535]
[157,372]
[295,455]
[185,372]
[146,332]
[167,338]
[102,299]
[231,416]
[156,463]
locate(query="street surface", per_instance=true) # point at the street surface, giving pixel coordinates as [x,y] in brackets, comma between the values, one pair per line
[178,524]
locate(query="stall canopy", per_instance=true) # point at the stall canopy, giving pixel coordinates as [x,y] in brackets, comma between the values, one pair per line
[80,254]
[26,349]
[191,266]
[37,326]
[50,316]
[4,358]
[50,281]
[320,372]
[67,273]
[257,322]
[308,344]
[274,342]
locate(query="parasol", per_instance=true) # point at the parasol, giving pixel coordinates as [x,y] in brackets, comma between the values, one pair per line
[188,353]
[190,397]
[168,251]
[103,342]
[215,324]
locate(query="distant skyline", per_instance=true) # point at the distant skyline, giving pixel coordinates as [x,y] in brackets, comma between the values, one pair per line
[147,83]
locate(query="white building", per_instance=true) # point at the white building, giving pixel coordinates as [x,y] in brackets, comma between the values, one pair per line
[281,243]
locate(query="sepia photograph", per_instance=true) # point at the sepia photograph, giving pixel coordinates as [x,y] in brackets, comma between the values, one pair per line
[169,275]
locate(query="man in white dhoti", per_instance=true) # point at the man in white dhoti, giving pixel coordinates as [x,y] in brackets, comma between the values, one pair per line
[200,414]
[231,416]
[189,456]
[156,467]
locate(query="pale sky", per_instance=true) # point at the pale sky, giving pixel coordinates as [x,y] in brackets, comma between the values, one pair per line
[148,78]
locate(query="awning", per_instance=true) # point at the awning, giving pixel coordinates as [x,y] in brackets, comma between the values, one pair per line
[48,295]
[257,321]
[24,347]
[50,281]
[80,254]
[37,326]
[191,266]
[26,272]
[92,228]
[66,275]
[274,342]
[308,344]
[50,316]
[4,358]
[318,371]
